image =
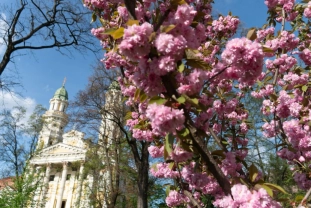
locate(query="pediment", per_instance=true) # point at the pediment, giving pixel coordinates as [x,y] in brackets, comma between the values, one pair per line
[58,153]
[61,148]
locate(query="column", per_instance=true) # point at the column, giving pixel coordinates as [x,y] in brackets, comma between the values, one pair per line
[53,191]
[79,188]
[62,186]
[71,188]
[45,182]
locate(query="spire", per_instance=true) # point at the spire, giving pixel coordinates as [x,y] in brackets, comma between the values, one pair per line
[64,82]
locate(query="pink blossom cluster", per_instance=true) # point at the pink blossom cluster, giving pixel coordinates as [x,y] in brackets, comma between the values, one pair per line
[199,181]
[230,166]
[283,63]
[305,55]
[185,56]
[265,91]
[155,151]
[170,45]
[180,155]
[99,33]
[164,119]
[242,197]
[244,59]
[92,4]
[261,34]
[162,170]
[307,11]
[184,14]
[286,41]
[175,198]
[225,25]
[135,43]
[143,135]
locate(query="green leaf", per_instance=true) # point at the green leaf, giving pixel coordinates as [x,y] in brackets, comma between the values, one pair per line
[168,146]
[304,88]
[177,2]
[158,100]
[198,63]
[154,166]
[298,198]
[171,165]
[167,190]
[115,33]
[181,100]
[252,34]
[143,97]
[191,53]
[219,153]
[152,37]
[274,97]
[181,67]
[275,187]
[167,28]
[267,188]
[305,102]
[253,172]
[131,22]
[267,50]
[195,101]
[94,17]
[128,115]
[137,93]
[184,133]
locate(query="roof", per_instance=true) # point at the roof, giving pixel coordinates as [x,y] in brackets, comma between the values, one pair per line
[4,182]
[61,93]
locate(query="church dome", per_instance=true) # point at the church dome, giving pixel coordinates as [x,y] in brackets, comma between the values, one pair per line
[61,94]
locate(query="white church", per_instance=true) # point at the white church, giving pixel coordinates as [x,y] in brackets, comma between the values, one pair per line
[61,156]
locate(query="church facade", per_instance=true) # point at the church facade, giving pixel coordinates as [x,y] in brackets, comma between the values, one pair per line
[61,157]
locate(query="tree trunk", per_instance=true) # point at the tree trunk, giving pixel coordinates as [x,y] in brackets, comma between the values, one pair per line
[143,185]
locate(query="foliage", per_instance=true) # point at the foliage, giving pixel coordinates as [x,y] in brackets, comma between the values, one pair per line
[18,142]
[124,160]
[186,76]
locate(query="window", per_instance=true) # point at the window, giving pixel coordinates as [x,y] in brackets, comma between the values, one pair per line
[63,204]
[68,176]
[52,177]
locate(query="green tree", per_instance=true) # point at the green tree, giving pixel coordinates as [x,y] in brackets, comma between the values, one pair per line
[18,140]
[88,110]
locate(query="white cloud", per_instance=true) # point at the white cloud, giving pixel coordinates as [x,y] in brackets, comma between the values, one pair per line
[3,28]
[9,100]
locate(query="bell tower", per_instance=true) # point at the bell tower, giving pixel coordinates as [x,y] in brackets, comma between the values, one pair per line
[55,119]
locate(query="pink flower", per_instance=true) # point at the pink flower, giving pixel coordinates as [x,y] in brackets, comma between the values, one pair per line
[307,11]
[185,14]
[227,26]
[305,55]
[243,197]
[180,155]
[155,151]
[162,170]
[174,199]
[135,43]
[167,44]
[164,119]
[244,58]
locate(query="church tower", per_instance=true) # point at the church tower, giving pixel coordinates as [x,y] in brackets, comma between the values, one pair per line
[113,111]
[55,119]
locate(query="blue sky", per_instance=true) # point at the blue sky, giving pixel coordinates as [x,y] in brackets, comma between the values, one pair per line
[42,72]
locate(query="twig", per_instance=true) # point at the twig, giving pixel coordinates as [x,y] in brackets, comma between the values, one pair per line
[193,201]
[304,200]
